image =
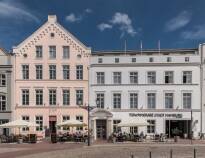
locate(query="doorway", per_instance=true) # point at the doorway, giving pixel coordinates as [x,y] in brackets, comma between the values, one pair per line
[52,124]
[183,127]
[101,129]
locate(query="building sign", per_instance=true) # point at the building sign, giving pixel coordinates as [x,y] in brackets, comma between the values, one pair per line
[151,115]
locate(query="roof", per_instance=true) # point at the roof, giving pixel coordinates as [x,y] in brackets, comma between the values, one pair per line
[4,51]
[146,51]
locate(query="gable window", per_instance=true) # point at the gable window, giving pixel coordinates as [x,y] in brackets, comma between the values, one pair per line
[52,97]
[151,77]
[52,52]
[2,80]
[79,72]
[39,72]
[79,97]
[66,97]
[187,77]
[117,77]
[169,100]
[100,77]
[66,72]
[116,100]
[66,52]
[133,77]
[2,103]
[25,97]
[169,77]
[39,51]
[39,97]
[52,72]
[25,72]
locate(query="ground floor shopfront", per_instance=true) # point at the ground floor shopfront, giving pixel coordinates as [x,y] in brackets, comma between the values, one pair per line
[48,118]
[104,123]
[5,117]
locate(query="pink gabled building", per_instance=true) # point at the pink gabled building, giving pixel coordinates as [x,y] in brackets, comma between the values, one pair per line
[51,77]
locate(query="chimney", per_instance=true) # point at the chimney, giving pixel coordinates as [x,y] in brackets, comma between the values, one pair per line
[52,18]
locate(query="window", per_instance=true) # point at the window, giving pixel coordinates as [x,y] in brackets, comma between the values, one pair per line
[187,99]
[79,97]
[133,100]
[151,59]
[117,77]
[100,60]
[39,121]
[39,51]
[52,35]
[66,97]
[169,100]
[186,59]
[79,72]
[117,60]
[66,52]
[52,52]
[25,118]
[169,59]
[187,77]
[169,77]
[66,118]
[66,72]
[52,72]
[151,77]
[133,130]
[52,97]
[25,72]
[115,127]
[116,100]
[2,103]
[133,60]
[151,100]
[100,98]
[39,97]
[2,79]
[25,97]
[133,77]
[39,72]
[79,118]
[100,77]
[151,127]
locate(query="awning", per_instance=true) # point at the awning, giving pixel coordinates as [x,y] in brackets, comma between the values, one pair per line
[133,124]
[71,123]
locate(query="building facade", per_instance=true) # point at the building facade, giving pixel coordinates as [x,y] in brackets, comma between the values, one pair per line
[5,89]
[51,78]
[158,87]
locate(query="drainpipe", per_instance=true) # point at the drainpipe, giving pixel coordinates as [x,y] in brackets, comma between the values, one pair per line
[201,84]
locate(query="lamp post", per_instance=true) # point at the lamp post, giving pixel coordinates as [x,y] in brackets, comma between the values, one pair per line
[191,127]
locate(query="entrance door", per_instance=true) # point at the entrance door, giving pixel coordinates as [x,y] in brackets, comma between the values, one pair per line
[184,126]
[52,124]
[101,129]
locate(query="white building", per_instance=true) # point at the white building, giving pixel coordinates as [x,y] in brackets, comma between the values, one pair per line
[162,88]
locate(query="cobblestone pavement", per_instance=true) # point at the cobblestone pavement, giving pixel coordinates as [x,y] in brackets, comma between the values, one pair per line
[103,150]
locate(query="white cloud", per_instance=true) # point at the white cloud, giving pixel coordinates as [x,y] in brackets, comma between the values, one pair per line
[122,21]
[9,9]
[178,22]
[73,18]
[104,26]
[197,33]
[88,10]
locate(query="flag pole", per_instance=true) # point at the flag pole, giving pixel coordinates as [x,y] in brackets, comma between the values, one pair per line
[125,47]
[141,47]
[159,46]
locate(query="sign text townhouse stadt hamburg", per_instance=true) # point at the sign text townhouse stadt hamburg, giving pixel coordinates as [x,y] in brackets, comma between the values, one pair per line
[51,76]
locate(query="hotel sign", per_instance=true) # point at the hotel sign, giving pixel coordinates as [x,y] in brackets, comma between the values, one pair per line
[152,115]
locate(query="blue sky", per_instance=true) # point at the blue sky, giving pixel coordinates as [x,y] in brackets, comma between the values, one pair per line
[106,24]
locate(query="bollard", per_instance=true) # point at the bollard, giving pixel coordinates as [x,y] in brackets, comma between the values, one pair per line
[170,153]
[194,153]
[132,156]
[150,154]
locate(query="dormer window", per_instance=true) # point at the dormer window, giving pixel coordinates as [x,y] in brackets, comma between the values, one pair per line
[169,59]
[100,60]
[133,60]
[151,59]
[186,59]
[117,60]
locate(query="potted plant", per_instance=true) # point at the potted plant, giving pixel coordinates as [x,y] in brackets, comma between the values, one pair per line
[176,133]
